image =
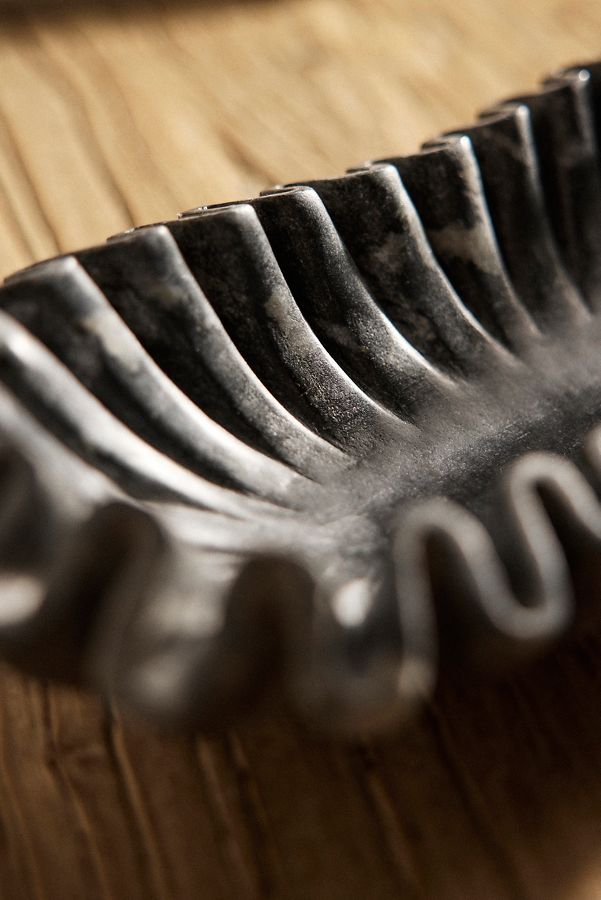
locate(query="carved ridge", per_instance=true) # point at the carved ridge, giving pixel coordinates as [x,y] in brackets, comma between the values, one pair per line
[339,438]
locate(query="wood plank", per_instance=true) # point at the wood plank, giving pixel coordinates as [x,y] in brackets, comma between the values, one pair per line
[123,115]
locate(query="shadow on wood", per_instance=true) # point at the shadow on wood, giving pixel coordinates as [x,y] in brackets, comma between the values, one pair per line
[16,11]
[495,792]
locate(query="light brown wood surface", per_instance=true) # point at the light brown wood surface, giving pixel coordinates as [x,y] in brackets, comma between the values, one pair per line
[110,117]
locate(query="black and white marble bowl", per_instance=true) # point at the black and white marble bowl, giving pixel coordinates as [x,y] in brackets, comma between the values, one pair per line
[337,439]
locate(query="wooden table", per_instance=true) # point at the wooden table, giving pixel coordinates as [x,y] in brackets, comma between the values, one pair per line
[110,117]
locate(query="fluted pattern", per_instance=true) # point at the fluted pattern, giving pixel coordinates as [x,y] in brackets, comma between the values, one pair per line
[338,438]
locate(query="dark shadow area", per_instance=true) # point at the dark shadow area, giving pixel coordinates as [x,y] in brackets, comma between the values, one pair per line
[20,11]
[521,761]
[524,756]
[494,791]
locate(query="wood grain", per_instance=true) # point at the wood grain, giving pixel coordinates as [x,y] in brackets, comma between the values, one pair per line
[111,116]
